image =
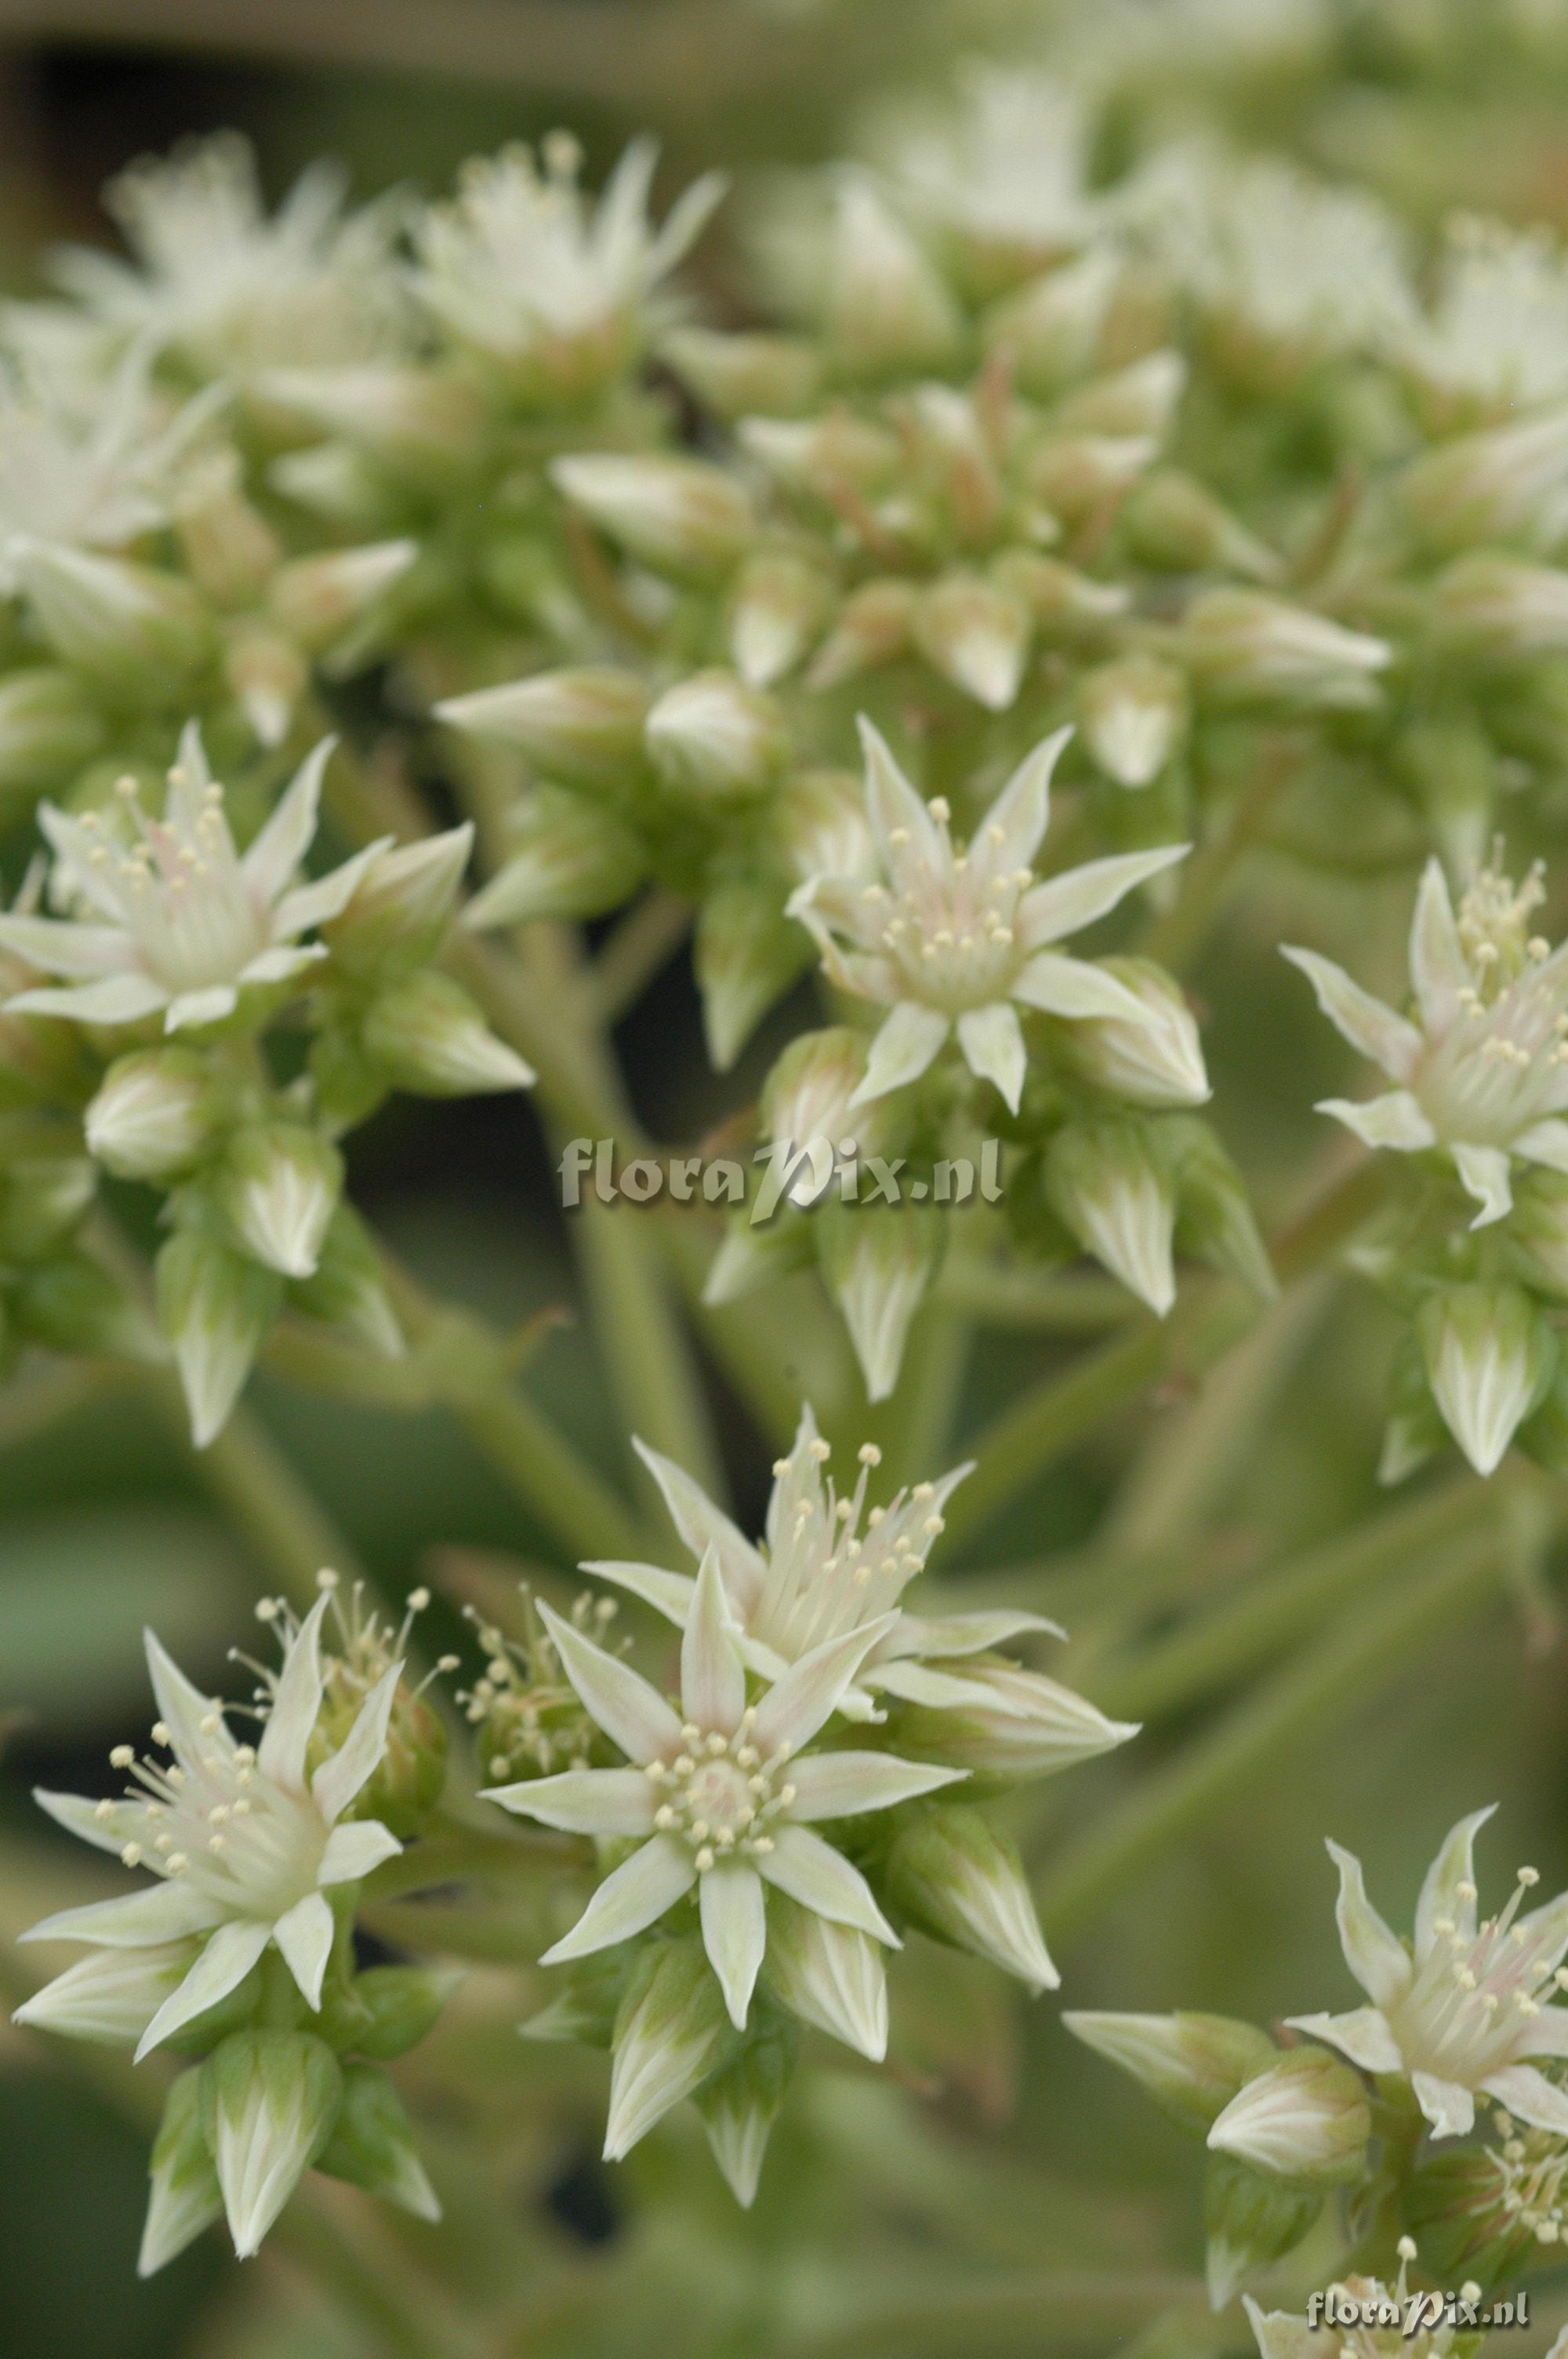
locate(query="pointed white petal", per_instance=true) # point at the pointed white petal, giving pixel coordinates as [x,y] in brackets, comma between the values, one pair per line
[832,1977]
[339,1780]
[1531,2096]
[712,1677]
[1483,1171]
[669,1593]
[703,1525]
[1064,904]
[1450,2109]
[822,1879]
[909,1040]
[303,1934]
[1394,1120]
[1377,1960]
[963,1634]
[118,999]
[1438,969]
[1361,2034]
[1449,1888]
[1015,827]
[583,1801]
[222,1967]
[926,1683]
[110,1996]
[636,1894]
[355,1849]
[734,1931]
[1544,1142]
[992,1041]
[162,1912]
[285,838]
[1061,985]
[326,896]
[282,962]
[841,1785]
[1364,1022]
[790,1712]
[631,1712]
[80,1817]
[195,1007]
[1545,2034]
[295,1704]
[59,946]
[894,807]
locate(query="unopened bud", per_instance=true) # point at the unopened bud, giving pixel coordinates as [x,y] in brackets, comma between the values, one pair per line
[1052,330]
[680,515]
[716,740]
[584,725]
[268,675]
[1252,648]
[1134,715]
[1140,399]
[1490,1356]
[372,2145]
[976,635]
[185,2196]
[1251,2218]
[120,621]
[831,1976]
[410,1774]
[154,1115]
[431,1039]
[820,825]
[347,1288]
[1155,1061]
[1104,1183]
[1080,476]
[1215,1221]
[410,414]
[48,729]
[1491,485]
[279,1186]
[887,307]
[755,1254]
[671,2031]
[1191,2064]
[1175,522]
[877,1265]
[1064,601]
[746,955]
[230,549]
[215,1307]
[1480,2212]
[739,2103]
[731,375]
[398,2006]
[570,858]
[779,606]
[1031,1727]
[398,913]
[807,1101]
[1538,1223]
[1501,607]
[825,457]
[1304,2117]
[269,2102]
[875,626]
[961,1879]
[318,599]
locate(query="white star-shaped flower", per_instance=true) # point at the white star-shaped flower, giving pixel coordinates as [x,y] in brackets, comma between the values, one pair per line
[956,937]
[87,462]
[721,1793]
[182,922]
[1464,2011]
[246,1845]
[1483,1071]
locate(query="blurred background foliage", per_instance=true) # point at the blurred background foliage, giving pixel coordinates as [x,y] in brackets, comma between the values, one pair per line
[1012,2148]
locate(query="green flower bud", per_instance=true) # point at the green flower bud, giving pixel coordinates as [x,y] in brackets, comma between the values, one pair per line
[877,1264]
[1140,399]
[1215,1221]
[397,2007]
[571,858]
[1489,2211]
[1064,601]
[49,729]
[961,1879]
[1191,2065]
[1501,607]
[1155,1062]
[752,1255]
[1106,1186]
[372,2145]
[587,2001]
[399,912]
[1489,1358]
[716,740]
[431,1039]
[413,416]
[124,624]
[1033,1728]
[1052,330]
[820,825]
[1491,485]
[1251,2219]
[46,1191]
[347,1288]
[887,307]
[730,373]
[746,954]
[1077,477]
[875,625]
[977,634]
[1249,649]
[1134,715]
[279,1185]
[680,515]
[671,2030]
[583,725]
[1175,522]
[155,1114]
[779,606]
[1305,2117]
[269,2102]
[216,1307]
[185,2196]
[318,600]
[740,2103]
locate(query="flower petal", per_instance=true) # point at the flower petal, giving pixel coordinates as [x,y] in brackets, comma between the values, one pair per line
[1394,1120]
[118,999]
[342,1777]
[637,1894]
[1531,2096]
[669,1593]
[926,1684]
[822,1879]
[992,1041]
[895,810]
[790,1712]
[841,1785]
[59,946]
[1544,1142]
[1438,968]
[304,1935]
[1072,987]
[195,1722]
[734,1931]
[1483,1172]
[96,881]
[208,1006]
[1361,2033]
[1063,904]
[1014,827]
[282,962]
[1377,1960]
[1388,1040]
[583,1801]
[911,1037]
[79,1817]
[1450,2109]
[703,1525]
[159,1912]
[1545,2034]
[222,1967]
[1449,1888]
[963,1634]
[285,838]
[295,1704]
[328,897]
[355,1849]
[712,1677]
[631,1712]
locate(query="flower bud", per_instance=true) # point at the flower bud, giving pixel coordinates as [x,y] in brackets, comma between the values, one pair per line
[1033,1728]
[372,2145]
[671,2030]
[432,1040]
[410,1774]
[584,725]
[319,599]
[716,740]
[1538,1223]
[1134,715]
[829,1976]
[49,730]
[875,625]
[887,307]
[960,1879]
[347,1288]
[154,1116]
[412,415]
[681,517]
[400,909]
[1052,330]
[229,550]
[395,2007]
[1488,2212]
[123,623]
[1497,606]
[1251,2219]
[825,457]
[1304,2117]
[572,858]
[46,1191]
[779,606]
[976,635]
[1251,648]
[1064,601]
[1155,1062]
[279,1185]
[1503,481]
[71,1303]
[746,955]
[1415,1430]
[730,373]
[820,825]
[1215,1221]
[1489,1358]
[215,1307]
[1078,476]
[1175,522]
[185,2196]
[877,1265]
[270,2100]
[268,675]
[1191,2065]
[111,1995]
[806,1100]
[1104,1184]
[1139,399]
[740,2103]
[588,1999]
[752,1255]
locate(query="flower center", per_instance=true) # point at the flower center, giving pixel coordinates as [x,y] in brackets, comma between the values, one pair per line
[950,927]
[1475,1996]
[720,1796]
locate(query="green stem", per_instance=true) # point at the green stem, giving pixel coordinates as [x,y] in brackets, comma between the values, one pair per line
[646,938]
[284,1528]
[1047,2310]
[998,1296]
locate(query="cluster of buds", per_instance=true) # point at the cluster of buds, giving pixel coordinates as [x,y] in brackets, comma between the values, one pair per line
[527,1718]
[240,1951]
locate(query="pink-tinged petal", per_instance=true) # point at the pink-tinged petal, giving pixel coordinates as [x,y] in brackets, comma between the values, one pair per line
[636,1896]
[208,1006]
[895,810]
[1450,2109]
[790,1712]
[1531,2097]
[282,962]
[304,1935]
[195,1722]
[161,1912]
[734,1931]
[843,1785]
[822,1879]
[1484,1174]
[631,1712]
[702,1525]
[1448,1890]
[295,1704]
[669,1593]
[342,1777]
[59,946]
[1361,2033]
[583,1801]
[222,1968]
[284,842]
[712,1677]
[118,999]
[1065,904]
[1394,1120]
[1388,1040]
[326,896]
[1073,987]
[1545,2034]
[911,1037]
[97,881]
[991,1040]
[80,1817]
[1545,1932]
[1544,1142]
[962,1634]
[1014,827]
[356,1848]
[1438,969]
[1379,1963]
